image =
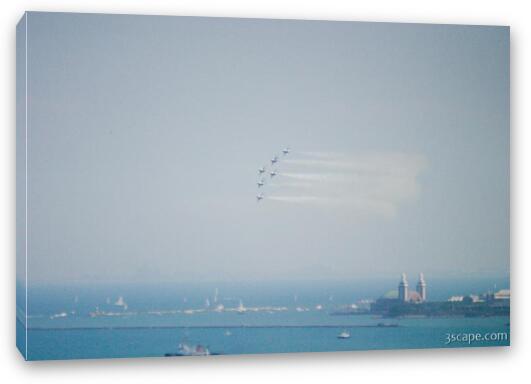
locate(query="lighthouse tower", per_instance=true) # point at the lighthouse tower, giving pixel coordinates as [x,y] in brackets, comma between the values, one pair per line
[421,287]
[403,294]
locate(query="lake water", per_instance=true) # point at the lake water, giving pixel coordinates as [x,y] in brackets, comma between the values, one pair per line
[75,322]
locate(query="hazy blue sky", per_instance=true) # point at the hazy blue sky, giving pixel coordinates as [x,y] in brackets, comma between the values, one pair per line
[146,133]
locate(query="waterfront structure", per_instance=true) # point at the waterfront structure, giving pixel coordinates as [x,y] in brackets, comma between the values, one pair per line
[503,294]
[456,299]
[403,294]
[405,302]
[421,287]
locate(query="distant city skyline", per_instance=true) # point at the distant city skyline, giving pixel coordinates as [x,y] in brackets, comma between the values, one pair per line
[145,136]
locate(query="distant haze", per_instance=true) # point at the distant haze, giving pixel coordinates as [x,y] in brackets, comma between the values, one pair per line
[146,135]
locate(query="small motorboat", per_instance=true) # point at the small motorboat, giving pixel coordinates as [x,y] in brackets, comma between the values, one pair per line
[344,335]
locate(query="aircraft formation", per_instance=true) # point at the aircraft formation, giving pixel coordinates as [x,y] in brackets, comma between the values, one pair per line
[263,172]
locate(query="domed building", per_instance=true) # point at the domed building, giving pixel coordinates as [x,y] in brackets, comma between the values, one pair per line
[415,297]
[405,295]
[392,294]
[384,302]
[421,287]
[403,289]
[401,295]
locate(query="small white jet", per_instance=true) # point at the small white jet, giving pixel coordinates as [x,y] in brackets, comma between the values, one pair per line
[261,170]
[260,183]
[274,160]
[259,197]
[273,173]
[285,151]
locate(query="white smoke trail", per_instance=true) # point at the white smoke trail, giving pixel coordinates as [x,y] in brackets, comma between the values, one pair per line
[384,163]
[322,155]
[291,184]
[318,162]
[298,199]
[376,183]
[304,176]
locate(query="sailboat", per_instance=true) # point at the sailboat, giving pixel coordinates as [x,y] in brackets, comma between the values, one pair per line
[241,309]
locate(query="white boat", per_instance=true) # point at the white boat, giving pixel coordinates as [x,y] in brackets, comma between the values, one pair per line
[121,303]
[344,335]
[190,350]
[241,309]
